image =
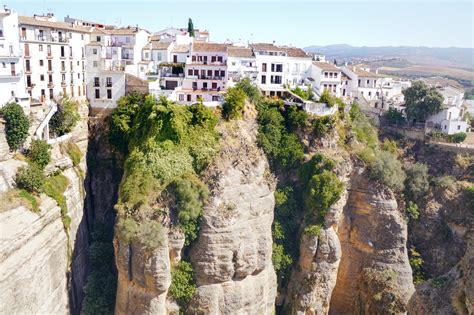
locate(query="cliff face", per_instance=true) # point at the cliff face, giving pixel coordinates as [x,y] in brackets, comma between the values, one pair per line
[37,252]
[232,258]
[374,275]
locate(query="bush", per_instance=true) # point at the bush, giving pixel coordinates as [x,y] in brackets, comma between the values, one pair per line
[151,235]
[281,260]
[183,285]
[313,230]
[417,182]
[39,153]
[327,98]
[295,118]
[446,182]
[54,187]
[416,263]
[250,89]
[100,291]
[458,137]
[322,125]
[412,210]
[388,170]
[393,116]
[304,94]
[66,118]
[190,195]
[73,151]
[17,125]
[30,178]
[323,190]
[234,103]
[390,146]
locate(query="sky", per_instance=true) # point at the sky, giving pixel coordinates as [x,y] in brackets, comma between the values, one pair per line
[301,23]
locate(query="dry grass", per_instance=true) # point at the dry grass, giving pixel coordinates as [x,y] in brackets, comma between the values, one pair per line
[18,197]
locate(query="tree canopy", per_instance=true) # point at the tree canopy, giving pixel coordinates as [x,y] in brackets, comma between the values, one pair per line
[422,101]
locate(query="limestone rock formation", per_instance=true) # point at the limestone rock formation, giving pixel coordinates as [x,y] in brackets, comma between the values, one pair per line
[232,257]
[374,275]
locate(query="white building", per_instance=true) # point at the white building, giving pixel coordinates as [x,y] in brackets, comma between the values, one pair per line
[280,66]
[12,80]
[205,74]
[326,77]
[241,63]
[112,55]
[170,34]
[451,95]
[449,120]
[54,57]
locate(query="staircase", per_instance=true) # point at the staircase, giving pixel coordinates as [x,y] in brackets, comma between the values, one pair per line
[42,132]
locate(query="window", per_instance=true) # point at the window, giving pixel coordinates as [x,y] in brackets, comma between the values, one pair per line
[264,79]
[82,36]
[41,63]
[276,79]
[96,82]
[94,51]
[459,127]
[42,77]
[50,78]
[222,73]
[188,97]
[109,94]
[214,85]
[40,47]
[62,51]
[27,65]
[264,67]
[51,94]
[368,82]
[277,67]
[181,97]
[335,75]
[109,81]
[97,93]
[98,38]
[95,64]
[50,65]
[147,55]
[190,71]
[158,56]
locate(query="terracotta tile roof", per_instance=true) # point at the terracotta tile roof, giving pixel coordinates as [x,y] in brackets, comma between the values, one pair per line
[326,66]
[364,74]
[209,47]
[180,49]
[267,47]
[155,45]
[240,52]
[29,20]
[296,52]
[118,31]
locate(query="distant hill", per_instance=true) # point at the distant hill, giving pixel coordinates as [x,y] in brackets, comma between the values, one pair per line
[432,56]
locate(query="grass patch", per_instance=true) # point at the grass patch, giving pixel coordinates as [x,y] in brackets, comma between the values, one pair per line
[73,151]
[19,197]
[54,187]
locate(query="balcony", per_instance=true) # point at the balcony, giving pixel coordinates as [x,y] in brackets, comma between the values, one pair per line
[30,86]
[208,63]
[28,70]
[50,84]
[108,84]
[63,70]
[11,75]
[49,56]
[50,71]
[48,38]
[63,84]
[63,57]
[205,77]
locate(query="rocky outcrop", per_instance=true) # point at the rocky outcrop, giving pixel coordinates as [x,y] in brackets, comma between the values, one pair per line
[374,275]
[33,261]
[232,257]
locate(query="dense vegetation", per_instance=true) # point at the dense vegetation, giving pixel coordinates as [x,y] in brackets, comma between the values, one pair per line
[39,153]
[66,118]
[17,125]
[422,101]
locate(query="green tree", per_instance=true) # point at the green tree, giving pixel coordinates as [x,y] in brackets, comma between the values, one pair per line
[39,152]
[417,181]
[250,89]
[17,125]
[388,170]
[393,116]
[234,103]
[183,285]
[422,101]
[190,27]
[327,98]
[66,118]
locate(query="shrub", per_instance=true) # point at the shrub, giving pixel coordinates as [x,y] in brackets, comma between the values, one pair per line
[417,182]
[30,178]
[327,98]
[416,263]
[322,125]
[54,187]
[190,195]
[234,103]
[100,291]
[13,198]
[17,125]
[388,170]
[73,151]
[323,190]
[304,94]
[66,118]
[280,259]
[389,145]
[295,118]
[151,235]
[366,154]
[412,210]
[203,116]
[250,89]
[439,282]
[183,285]
[393,116]
[313,230]
[446,182]
[458,137]
[39,153]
